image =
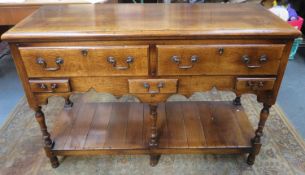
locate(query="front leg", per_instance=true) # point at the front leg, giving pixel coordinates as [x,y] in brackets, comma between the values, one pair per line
[154,159]
[256,141]
[153,116]
[48,143]
[153,143]
[237,101]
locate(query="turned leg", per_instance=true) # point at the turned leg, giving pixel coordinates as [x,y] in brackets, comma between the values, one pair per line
[154,159]
[153,116]
[68,103]
[256,141]
[236,101]
[48,143]
[153,143]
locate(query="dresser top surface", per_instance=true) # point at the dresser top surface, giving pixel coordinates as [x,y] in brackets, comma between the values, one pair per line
[120,21]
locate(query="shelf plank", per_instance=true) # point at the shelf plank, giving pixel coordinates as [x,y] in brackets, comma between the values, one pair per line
[227,126]
[97,134]
[176,127]
[194,129]
[81,127]
[64,125]
[209,126]
[135,126]
[244,124]
[116,133]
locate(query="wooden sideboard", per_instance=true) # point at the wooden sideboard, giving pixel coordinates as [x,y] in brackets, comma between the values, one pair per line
[152,52]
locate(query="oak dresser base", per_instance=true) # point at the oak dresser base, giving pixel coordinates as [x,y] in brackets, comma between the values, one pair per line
[151,51]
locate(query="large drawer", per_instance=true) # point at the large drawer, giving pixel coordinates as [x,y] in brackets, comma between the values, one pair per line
[250,59]
[85,61]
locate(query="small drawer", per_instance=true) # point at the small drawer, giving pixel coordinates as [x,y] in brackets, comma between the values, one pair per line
[61,85]
[227,59]
[72,61]
[152,86]
[254,84]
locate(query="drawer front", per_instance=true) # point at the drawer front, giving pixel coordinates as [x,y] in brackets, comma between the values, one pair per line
[219,59]
[61,85]
[85,61]
[152,86]
[254,84]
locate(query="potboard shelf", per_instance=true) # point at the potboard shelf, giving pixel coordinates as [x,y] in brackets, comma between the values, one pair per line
[124,128]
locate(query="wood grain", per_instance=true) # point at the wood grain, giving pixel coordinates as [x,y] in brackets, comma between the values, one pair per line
[125,126]
[100,122]
[174,116]
[11,15]
[218,59]
[85,61]
[116,132]
[135,126]
[192,124]
[190,20]
[81,127]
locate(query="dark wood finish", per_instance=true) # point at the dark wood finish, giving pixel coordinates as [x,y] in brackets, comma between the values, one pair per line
[154,159]
[113,49]
[47,142]
[256,141]
[237,101]
[153,134]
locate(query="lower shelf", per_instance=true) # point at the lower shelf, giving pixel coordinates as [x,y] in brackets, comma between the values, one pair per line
[124,128]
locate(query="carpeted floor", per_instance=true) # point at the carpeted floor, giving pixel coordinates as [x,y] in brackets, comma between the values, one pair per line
[283,151]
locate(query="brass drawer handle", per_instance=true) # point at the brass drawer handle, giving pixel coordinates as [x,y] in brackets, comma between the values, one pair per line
[221,51]
[255,85]
[44,65]
[112,61]
[54,86]
[176,59]
[42,86]
[159,86]
[246,60]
